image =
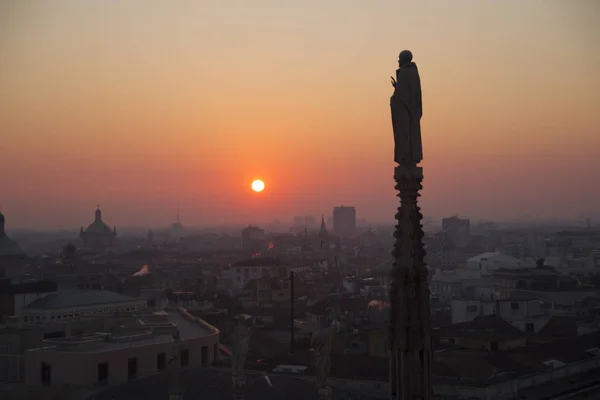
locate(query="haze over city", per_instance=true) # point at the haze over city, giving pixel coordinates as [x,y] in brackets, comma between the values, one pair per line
[145,106]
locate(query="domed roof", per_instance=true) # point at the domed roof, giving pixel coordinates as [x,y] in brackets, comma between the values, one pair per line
[8,247]
[98,226]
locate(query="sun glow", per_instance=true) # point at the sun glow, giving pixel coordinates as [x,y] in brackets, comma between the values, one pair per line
[258,185]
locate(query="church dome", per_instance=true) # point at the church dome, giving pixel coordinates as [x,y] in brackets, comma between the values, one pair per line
[8,247]
[98,226]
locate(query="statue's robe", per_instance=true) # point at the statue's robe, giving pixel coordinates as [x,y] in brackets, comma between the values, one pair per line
[407,109]
[322,342]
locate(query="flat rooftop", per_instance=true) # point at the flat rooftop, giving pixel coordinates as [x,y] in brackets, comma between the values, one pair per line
[188,329]
[98,344]
[132,335]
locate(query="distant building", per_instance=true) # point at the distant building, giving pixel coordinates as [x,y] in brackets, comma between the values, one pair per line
[177,230]
[487,263]
[457,230]
[254,239]
[518,311]
[256,268]
[265,292]
[98,237]
[344,221]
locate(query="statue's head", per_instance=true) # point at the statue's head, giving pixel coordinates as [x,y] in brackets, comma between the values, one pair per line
[405,57]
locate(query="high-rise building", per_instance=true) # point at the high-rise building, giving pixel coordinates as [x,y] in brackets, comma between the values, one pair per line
[344,221]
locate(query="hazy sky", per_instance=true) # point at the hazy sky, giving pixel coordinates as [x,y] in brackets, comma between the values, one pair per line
[143,105]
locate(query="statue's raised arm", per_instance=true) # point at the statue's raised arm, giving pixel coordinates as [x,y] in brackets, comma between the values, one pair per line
[407,110]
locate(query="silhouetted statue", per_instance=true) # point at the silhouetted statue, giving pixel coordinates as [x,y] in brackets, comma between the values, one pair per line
[241,339]
[176,385]
[322,344]
[407,110]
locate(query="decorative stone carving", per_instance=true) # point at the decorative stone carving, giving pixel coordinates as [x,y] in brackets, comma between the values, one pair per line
[410,320]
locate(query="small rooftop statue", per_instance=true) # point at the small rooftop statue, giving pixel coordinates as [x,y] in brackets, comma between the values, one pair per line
[407,110]
[176,385]
[241,339]
[322,344]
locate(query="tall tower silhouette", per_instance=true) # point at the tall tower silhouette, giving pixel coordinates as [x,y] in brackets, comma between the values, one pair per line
[410,342]
[323,235]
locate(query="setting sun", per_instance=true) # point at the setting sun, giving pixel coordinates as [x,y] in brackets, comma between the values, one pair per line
[258,185]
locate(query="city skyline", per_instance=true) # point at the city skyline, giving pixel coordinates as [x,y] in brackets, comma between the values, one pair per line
[161,109]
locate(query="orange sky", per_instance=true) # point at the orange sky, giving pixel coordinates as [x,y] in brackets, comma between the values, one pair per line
[144,105]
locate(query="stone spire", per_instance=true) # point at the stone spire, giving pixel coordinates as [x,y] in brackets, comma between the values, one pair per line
[2,222]
[410,319]
[98,216]
[323,235]
[323,231]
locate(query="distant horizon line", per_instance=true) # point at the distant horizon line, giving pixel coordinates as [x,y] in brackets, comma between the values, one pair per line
[284,224]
